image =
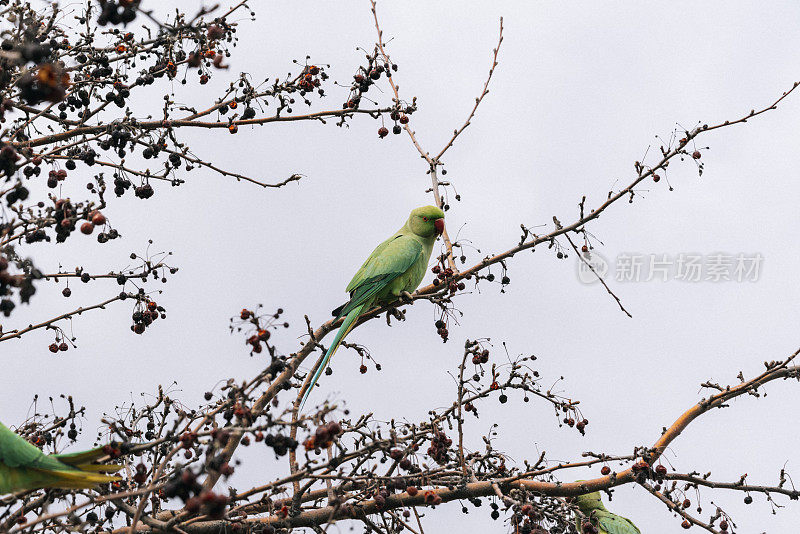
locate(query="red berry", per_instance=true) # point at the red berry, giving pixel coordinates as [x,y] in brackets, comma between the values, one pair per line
[87,228]
[661,470]
[63,347]
[696,154]
[605,470]
[98,219]
[404,119]
[686,524]
[641,465]
[363,369]
[656,177]
[383,132]
[53,347]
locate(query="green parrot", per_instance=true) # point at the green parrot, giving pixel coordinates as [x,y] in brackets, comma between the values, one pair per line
[24,467]
[396,266]
[601,519]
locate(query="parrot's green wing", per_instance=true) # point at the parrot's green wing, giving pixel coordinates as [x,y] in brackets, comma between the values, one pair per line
[392,258]
[359,276]
[615,524]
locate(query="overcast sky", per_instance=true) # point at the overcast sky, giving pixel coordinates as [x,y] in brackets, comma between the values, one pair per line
[581,91]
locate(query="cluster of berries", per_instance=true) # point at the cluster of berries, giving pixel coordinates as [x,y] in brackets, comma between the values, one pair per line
[481,357]
[280,444]
[440,444]
[323,436]
[8,163]
[310,79]
[74,101]
[95,218]
[398,118]
[365,77]
[58,345]
[261,330]
[185,486]
[7,281]
[65,216]
[580,424]
[117,11]
[144,314]
[402,460]
[525,518]
[444,276]
[55,176]
[118,94]
[441,329]
[118,139]
[255,340]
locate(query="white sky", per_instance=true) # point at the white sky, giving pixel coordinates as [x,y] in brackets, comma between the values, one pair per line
[581,91]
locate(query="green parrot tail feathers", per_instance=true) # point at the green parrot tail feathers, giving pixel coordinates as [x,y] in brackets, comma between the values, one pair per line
[347,325]
[78,479]
[84,457]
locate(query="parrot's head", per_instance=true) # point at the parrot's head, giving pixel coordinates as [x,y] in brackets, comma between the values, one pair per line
[589,502]
[427,221]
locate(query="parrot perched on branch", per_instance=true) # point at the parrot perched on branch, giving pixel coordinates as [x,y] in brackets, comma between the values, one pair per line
[24,467]
[602,521]
[395,267]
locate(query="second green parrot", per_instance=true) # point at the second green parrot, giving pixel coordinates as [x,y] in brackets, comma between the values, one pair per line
[24,467]
[396,266]
[603,521]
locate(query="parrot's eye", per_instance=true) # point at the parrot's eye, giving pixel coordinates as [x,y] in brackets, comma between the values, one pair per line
[425,219]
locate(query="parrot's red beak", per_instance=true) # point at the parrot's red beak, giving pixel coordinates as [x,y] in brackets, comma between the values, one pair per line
[439,225]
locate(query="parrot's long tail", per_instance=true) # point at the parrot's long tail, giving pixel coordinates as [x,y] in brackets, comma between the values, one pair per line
[81,479]
[347,325]
[13,479]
